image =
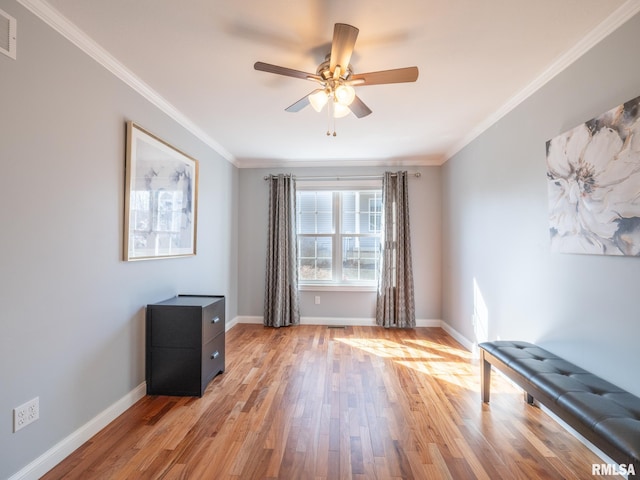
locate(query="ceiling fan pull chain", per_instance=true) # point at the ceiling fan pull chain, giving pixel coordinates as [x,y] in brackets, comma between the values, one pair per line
[331,114]
[328,118]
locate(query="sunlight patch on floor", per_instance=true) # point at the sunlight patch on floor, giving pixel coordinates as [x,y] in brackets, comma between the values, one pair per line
[458,352]
[422,358]
[388,349]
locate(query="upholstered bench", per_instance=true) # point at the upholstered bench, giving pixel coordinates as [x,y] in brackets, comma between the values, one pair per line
[604,414]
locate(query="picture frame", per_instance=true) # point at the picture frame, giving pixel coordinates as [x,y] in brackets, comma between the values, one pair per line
[593,185]
[161,196]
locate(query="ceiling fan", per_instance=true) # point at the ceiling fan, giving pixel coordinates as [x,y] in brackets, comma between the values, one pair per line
[337,79]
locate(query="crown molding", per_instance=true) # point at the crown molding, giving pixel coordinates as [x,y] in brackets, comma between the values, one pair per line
[71,32]
[608,26]
[424,161]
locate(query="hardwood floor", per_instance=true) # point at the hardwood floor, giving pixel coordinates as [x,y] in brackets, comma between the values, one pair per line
[311,402]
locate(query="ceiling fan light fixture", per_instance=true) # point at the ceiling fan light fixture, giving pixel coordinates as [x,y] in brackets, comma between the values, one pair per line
[318,100]
[340,110]
[345,94]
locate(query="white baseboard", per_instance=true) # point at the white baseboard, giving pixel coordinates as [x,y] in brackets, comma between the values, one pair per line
[341,321]
[338,321]
[229,325]
[421,322]
[353,321]
[66,446]
[255,319]
[461,339]
[603,456]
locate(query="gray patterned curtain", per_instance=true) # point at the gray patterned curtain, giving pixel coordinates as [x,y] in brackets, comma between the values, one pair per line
[395,304]
[281,305]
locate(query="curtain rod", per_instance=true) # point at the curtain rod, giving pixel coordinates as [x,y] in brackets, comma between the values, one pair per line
[344,177]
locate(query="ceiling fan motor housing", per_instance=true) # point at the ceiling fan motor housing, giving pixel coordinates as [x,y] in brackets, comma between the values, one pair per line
[324,69]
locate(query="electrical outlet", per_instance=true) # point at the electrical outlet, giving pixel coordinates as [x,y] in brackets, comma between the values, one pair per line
[317,299]
[26,413]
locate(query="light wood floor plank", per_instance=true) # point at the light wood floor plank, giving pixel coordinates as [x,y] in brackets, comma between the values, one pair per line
[310,402]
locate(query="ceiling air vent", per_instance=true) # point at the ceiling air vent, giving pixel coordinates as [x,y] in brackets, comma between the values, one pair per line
[7,34]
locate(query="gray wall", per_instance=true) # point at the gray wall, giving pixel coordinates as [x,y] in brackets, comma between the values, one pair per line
[72,321]
[424,210]
[495,229]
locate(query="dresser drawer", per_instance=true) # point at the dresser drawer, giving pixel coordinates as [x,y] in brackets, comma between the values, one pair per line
[173,326]
[175,372]
[212,359]
[212,320]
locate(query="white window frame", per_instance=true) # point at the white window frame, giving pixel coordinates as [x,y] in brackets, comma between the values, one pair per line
[336,283]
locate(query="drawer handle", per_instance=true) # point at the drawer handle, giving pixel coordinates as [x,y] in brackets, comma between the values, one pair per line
[215,319]
[215,354]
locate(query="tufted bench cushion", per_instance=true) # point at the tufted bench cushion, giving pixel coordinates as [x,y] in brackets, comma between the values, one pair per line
[604,414]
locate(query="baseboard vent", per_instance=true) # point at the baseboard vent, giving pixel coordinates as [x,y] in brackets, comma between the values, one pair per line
[336,326]
[7,34]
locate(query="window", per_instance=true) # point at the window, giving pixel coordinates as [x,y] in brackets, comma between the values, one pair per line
[338,235]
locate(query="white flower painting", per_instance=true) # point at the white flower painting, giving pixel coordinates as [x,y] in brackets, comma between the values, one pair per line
[593,176]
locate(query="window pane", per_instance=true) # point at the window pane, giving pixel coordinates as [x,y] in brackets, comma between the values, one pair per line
[324,209]
[306,201]
[307,247]
[315,212]
[324,222]
[368,269]
[375,220]
[363,222]
[374,211]
[349,201]
[324,270]
[360,258]
[369,247]
[324,201]
[349,204]
[307,222]
[315,258]
[324,247]
[307,269]
[361,211]
[349,222]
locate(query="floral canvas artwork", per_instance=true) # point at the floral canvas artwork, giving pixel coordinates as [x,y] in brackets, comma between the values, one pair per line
[593,174]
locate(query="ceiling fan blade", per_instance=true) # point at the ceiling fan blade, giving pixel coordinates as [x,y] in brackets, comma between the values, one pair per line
[397,75]
[303,102]
[344,39]
[287,72]
[299,105]
[358,108]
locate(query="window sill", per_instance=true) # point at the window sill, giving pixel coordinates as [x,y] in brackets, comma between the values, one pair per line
[336,288]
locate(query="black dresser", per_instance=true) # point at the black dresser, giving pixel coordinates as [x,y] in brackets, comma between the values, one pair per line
[185,344]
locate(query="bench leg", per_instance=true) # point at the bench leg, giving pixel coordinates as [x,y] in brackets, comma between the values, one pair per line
[485,378]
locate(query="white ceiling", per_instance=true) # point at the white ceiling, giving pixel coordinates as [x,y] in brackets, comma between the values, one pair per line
[477,59]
